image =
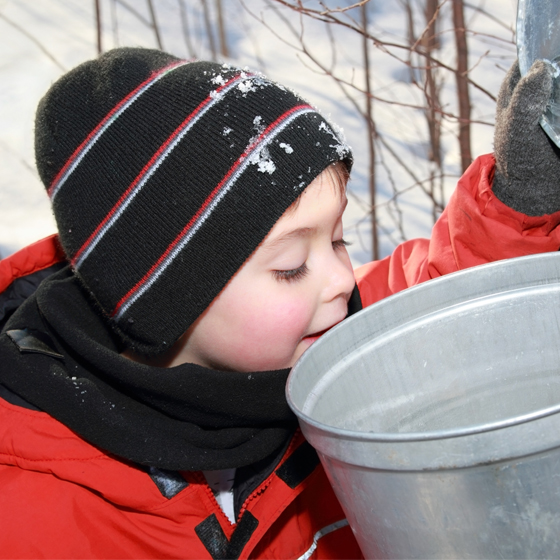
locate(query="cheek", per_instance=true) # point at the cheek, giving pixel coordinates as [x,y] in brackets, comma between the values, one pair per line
[268,335]
[288,320]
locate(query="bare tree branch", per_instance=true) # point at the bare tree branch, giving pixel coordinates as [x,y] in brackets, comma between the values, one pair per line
[224,50]
[488,15]
[98,26]
[134,12]
[462,84]
[426,74]
[155,24]
[370,135]
[209,33]
[185,28]
[383,45]
[33,39]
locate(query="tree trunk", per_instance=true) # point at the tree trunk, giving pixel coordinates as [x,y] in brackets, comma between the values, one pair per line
[371,137]
[98,26]
[222,29]
[433,109]
[154,24]
[462,84]
[430,42]
[185,26]
[208,25]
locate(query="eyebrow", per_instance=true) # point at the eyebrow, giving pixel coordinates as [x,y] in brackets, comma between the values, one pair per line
[299,232]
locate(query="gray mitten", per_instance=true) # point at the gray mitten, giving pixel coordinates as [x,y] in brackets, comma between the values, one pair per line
[527,175]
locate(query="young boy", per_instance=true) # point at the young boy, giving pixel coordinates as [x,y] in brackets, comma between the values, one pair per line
[199,210]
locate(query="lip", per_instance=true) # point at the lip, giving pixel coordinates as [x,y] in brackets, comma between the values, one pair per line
[311,338]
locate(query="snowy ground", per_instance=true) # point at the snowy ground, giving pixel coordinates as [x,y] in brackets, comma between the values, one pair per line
[40,39]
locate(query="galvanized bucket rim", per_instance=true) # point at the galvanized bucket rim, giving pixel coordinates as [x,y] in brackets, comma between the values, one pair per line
[387,437]
[424,436]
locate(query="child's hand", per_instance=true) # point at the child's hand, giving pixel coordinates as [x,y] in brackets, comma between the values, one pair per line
[527,175]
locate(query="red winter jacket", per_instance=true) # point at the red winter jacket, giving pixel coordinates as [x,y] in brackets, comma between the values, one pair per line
[475,228]
[60,497]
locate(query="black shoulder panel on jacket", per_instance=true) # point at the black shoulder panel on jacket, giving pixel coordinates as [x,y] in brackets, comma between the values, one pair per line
[213,538]
[299,465]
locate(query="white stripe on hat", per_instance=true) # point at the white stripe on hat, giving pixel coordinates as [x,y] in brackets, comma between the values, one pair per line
[158,158]
[188,232]
[109,119]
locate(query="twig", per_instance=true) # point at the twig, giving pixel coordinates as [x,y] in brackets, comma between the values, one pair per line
[133,11]
[383,45]
[154,23]
[206,13]
[185,27]
[23,31]
[98,26]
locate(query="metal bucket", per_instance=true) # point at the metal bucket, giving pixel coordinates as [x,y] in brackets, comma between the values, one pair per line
[436,414]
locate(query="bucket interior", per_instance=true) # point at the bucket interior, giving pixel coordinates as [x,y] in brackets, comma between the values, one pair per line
[486,361]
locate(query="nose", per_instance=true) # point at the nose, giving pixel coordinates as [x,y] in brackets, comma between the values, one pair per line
[340,279]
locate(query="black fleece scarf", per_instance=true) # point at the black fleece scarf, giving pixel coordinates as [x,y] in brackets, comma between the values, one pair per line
[183,418]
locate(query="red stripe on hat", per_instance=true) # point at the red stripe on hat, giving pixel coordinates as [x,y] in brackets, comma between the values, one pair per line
[205,205]
[147,168]
[102,123]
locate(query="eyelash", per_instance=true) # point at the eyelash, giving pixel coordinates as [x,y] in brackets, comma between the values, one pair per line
[339,243]
[301,272]
[291,275]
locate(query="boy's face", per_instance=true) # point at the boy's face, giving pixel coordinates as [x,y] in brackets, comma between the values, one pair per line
[294,287]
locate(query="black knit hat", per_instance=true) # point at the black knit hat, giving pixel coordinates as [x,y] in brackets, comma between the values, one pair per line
[165,175]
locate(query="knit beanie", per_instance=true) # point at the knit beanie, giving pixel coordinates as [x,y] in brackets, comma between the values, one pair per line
[165,175]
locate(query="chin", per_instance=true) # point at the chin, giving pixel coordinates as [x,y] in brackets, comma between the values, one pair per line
[297,355]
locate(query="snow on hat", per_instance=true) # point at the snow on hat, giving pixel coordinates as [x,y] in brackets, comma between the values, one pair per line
[165,175]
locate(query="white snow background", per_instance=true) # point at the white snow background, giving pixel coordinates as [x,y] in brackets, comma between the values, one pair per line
[41,39]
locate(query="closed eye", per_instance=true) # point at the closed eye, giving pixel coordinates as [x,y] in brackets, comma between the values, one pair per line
[291,275]
[340,243]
